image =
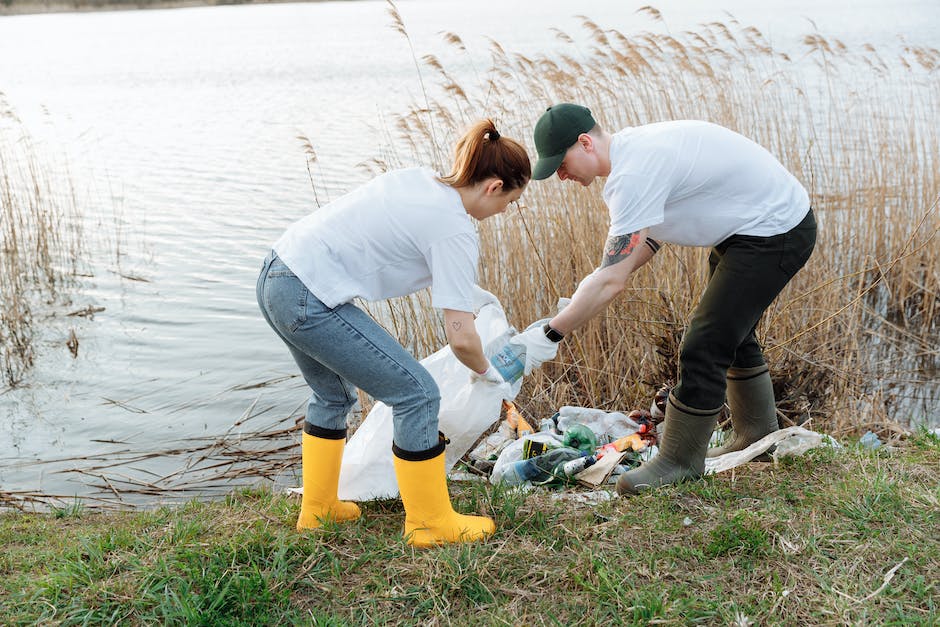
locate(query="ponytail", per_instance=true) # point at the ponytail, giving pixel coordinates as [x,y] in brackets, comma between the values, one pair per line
[483,153]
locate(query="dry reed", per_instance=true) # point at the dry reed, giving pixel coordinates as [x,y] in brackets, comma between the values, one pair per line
[40,243]
[852,342]
[257,447]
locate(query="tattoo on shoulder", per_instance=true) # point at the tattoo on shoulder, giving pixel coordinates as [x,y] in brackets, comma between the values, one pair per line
[619,247]
[456,325]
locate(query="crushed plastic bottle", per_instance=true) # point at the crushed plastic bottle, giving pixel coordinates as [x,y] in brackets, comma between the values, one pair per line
[494,443]
[507,358]
[870,441]
[580,437]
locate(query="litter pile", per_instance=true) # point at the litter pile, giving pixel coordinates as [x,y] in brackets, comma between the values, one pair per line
[590,447]
[577,445]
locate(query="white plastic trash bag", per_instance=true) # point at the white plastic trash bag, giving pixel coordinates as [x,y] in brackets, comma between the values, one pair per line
[467,410]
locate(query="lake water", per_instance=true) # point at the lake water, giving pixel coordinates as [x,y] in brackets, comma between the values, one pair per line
[180,127]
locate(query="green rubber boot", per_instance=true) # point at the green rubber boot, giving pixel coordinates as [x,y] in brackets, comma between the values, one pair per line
[681,450]
[753,410]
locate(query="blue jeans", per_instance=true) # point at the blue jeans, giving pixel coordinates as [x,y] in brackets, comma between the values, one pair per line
[340,349]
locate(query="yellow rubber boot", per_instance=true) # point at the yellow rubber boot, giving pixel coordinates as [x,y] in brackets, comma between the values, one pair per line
[322,454]
[429,517]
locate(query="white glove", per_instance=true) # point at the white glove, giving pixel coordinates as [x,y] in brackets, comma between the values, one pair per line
[538,348]
[490,376]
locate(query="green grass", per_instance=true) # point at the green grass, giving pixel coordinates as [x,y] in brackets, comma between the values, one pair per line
[809,540]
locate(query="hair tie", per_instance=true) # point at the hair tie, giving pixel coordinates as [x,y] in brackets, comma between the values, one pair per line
[492,135]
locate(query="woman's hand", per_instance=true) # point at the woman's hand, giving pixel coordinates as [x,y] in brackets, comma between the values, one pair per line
[490,375]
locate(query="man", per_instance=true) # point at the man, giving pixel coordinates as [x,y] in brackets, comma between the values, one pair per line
[694,184]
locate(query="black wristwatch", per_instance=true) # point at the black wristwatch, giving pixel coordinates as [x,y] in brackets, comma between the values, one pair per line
[552,334]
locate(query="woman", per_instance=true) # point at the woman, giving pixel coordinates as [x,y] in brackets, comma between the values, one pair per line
[401,232]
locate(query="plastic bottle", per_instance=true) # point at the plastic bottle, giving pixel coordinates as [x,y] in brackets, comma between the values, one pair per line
[538,469]
[573,467]
[494,443]
[580,437]
[512,415]
[507,358]
[521,471]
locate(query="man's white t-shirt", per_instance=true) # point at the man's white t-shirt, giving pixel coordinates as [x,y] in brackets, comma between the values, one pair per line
[397,234]
[696,184]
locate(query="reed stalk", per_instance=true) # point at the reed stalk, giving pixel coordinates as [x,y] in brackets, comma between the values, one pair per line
[41,242]
[851,342]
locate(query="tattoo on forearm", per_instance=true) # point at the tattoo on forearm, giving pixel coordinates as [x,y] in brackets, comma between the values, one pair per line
[619,248]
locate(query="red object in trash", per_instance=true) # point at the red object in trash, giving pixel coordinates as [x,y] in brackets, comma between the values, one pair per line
[632,442]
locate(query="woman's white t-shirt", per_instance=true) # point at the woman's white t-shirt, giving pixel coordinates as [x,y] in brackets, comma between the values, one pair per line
[696,184]
[397,234]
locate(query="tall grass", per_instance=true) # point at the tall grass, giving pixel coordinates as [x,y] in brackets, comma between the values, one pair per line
[850,342]
[40,243]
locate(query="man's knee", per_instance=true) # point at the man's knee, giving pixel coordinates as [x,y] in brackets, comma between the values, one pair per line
[702,368]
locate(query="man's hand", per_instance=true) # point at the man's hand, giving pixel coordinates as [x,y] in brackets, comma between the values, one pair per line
[538,348]
[491,375]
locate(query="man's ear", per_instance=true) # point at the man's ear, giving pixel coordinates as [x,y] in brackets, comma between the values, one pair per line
[586,141]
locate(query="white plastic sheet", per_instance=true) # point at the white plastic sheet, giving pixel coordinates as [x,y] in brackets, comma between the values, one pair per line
[467,410]
[789,441]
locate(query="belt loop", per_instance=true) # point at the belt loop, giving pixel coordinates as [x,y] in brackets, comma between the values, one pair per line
[271,256]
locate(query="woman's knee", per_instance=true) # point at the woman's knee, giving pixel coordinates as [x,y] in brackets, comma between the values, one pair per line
[422,393]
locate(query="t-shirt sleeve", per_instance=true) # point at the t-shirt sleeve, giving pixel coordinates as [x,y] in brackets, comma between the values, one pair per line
[453,262]
[635,201]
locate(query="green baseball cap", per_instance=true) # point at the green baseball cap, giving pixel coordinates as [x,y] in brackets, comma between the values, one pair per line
[557,131]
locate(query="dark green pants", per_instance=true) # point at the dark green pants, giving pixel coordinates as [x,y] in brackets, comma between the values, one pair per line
[746,273]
